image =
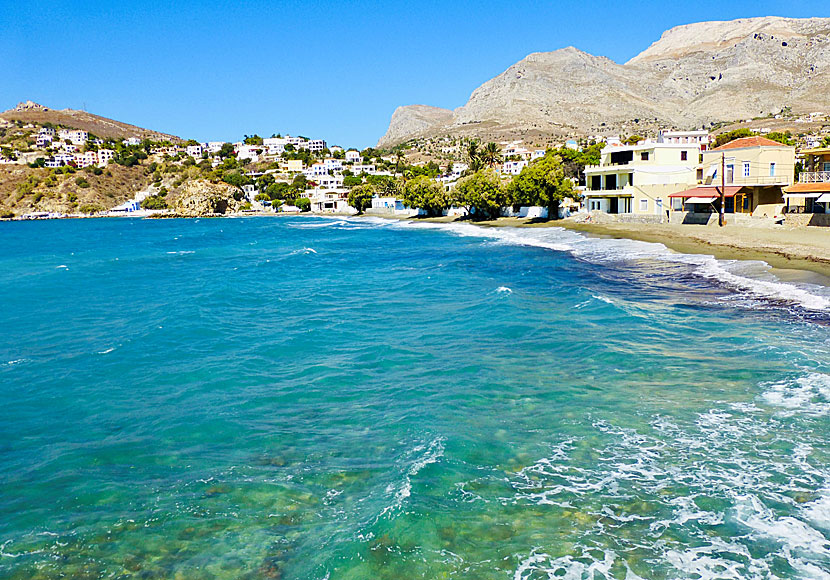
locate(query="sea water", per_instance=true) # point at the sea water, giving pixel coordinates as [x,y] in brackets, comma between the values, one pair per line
[365,399]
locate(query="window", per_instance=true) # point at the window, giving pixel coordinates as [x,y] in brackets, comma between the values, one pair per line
[826,166]
[643,205]
[644,156]
[730,173]
[684,156]
[677,203]
[772,169]
[700,174]
[746,168]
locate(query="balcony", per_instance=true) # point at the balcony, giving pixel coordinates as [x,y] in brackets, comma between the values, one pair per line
[814,177]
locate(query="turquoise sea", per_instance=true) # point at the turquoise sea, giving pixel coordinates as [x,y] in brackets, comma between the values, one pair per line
[318,398]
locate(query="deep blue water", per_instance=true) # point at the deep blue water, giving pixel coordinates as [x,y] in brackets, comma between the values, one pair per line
[316,398]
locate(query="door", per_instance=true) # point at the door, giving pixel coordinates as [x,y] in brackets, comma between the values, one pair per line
[613,205]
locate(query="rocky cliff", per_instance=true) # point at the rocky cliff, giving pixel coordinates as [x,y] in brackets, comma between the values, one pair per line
[693,75]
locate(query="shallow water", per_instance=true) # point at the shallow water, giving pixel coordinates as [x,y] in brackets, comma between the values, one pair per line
[319,398]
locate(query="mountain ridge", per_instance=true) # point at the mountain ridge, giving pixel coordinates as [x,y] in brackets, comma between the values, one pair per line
[693,75]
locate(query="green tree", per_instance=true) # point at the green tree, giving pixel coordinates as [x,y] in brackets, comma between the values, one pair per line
[253,140]
[303,203]
[786,137]
[424,193]
[90,208]
[360,197]
[351,181]
[725,138]
[154,202]
[226,150]
[543,183]
[481,194]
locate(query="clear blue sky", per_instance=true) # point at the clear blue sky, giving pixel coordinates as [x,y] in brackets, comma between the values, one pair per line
[333,70]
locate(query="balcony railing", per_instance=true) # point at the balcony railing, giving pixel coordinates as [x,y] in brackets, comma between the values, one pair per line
[814,177]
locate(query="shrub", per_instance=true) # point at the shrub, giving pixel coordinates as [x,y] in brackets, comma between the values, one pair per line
[154,202]
[303,203]
[90,208]
[7,214]
[81,182]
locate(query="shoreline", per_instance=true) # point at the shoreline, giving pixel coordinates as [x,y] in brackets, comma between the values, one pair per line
[783,249]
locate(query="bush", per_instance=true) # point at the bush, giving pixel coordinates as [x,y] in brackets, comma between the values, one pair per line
[7,214]
[303,203]
[90,208]
[154,202]
[81,182]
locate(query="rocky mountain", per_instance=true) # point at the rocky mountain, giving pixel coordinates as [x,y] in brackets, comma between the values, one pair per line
[30,112]
[693,75]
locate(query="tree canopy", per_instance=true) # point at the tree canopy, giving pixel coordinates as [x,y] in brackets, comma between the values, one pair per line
[481,194]
[426,194]
[542,183]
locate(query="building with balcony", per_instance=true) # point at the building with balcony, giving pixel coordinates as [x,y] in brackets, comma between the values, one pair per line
[638,179]
[754,171]
[812,192]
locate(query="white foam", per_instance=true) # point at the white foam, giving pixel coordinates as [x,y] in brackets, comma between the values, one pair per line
[425,455]
[303,251]
[808,394]
[748,278]
[107,351]
[504,290]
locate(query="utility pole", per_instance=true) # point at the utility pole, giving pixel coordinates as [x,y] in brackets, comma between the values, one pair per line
[722,217]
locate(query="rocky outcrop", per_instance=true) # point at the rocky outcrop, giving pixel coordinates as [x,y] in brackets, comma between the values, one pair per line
[411,120]
[693,75]
[203,198]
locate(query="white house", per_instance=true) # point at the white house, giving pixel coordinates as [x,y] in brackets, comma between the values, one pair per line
[251,152]
[685,137]
[194,151]
[43,140]
[47,131]
[316,170]
[368,169]
[105,156]
[60,160]
[513,167]
[214,147]
[333,165]
[132,141]
[75,136]
[353,156]
[316,145]
[86,159]
[336,149]
[275,145]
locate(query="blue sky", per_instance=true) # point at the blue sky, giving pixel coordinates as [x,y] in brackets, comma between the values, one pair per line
[334,70]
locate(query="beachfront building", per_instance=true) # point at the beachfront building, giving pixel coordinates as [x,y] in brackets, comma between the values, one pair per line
[754,171]
[812,192]
[638,179]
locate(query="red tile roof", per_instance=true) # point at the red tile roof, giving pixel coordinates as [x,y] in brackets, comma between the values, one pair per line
[708,191]
[749,142]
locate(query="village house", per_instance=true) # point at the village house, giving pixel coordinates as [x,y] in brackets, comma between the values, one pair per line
[43,140]
[754,172]
[105,156]
[368,169]
[513,167]
[194,151]
[132,142]
[316,145]
[292,166]
[353,156]
[333,165]
[638,179]
[86,159]
[75,136]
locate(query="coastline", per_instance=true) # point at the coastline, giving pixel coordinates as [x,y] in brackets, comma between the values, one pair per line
[782,248]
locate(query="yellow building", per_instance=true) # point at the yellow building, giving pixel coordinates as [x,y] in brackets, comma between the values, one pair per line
[812,192]
[638,179]
[755,171]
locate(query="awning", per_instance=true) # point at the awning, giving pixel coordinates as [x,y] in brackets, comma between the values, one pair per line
[707,191]
[806,194]
[801,189]
[825,198]
[699,200]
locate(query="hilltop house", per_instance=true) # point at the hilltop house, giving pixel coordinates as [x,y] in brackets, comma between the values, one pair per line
[812,192]
[352,156]
[194,151]
[754,170]
[75,136]
[639,178]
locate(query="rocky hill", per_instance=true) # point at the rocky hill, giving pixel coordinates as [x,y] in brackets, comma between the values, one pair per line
[692,76]
[30,112]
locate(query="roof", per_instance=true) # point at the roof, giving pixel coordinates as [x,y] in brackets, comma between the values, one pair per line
[808,187]
[745,142]
[816,151]
[708,191]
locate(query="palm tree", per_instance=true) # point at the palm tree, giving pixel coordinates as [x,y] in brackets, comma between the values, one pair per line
[491,154]
[398,157]
[472,151]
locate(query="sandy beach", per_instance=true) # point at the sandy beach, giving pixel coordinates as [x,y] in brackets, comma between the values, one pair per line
[793,248]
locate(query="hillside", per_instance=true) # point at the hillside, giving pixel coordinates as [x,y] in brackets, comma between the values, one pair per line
[692,76]
[30,112]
